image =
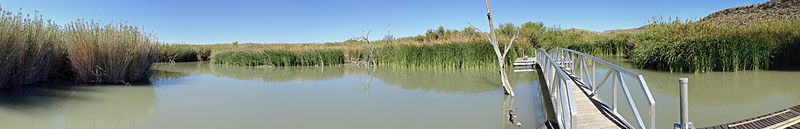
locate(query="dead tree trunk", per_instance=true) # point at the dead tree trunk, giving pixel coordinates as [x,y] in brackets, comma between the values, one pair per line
[495,45]
[371,58]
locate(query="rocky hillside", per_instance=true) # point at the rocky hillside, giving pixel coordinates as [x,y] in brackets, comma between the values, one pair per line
[773,9]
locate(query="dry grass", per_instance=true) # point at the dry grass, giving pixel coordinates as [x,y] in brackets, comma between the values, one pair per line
[109,53]
[27,48]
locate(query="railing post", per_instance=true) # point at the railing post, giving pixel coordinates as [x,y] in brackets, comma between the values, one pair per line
[614,94]
[593,77]
[684,87]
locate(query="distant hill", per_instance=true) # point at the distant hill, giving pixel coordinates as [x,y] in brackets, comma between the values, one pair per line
[771,10]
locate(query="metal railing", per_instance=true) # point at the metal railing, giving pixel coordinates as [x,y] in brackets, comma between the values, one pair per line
[586,66]
[560,91]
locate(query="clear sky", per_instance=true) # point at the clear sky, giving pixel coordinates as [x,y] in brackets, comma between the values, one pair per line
[294,21]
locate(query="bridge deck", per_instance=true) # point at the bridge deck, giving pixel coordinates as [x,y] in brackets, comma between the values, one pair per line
[786,118]
[591,113]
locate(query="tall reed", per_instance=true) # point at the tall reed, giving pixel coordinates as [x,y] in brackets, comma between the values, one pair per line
[473,54]
[280,57]
[700,47]
[27,48]
[108,53]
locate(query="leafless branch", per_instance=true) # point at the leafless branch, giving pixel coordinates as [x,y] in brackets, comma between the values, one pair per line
[510,43]
[481,31]
[366,35]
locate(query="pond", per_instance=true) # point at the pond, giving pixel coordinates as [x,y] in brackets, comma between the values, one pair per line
[198,95]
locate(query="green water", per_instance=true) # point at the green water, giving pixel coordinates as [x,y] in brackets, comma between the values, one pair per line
[714,97]
[201,95]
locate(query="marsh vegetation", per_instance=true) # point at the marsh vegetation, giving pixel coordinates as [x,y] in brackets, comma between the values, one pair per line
[34,49]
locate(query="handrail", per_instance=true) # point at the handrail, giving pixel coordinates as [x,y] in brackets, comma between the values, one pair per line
[568,57]
[560,91]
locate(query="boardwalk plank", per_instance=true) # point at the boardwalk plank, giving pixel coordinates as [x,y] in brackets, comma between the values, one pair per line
[590,113]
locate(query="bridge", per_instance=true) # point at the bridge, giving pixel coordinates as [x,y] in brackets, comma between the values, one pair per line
[573,86]
[573,80]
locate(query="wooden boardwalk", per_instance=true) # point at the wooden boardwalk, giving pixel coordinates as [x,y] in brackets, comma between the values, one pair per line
[525,61]
[591,112]
[787,118]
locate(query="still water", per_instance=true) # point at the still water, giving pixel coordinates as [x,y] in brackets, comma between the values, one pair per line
[714,97]
[201,95]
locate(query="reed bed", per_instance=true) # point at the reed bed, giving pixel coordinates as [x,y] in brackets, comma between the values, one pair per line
[701,47]
[474,54]
[182,53]
[27,48]
[33,49]
[466,54]
[108,53]
[668,45]
[280,57]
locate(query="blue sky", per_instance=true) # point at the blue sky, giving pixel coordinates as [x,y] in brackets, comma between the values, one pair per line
[295,21]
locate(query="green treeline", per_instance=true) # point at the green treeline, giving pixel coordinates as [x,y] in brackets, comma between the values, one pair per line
[33,49]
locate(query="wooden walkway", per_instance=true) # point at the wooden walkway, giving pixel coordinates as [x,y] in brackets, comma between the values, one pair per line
[591,112]
[525,61]
[787,118]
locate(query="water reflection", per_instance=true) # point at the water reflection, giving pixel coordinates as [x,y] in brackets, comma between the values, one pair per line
[75,107]
[510,118]
[340,97]
[468,81]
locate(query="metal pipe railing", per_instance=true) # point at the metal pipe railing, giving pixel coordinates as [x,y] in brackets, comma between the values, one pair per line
[559,89]
[587,76]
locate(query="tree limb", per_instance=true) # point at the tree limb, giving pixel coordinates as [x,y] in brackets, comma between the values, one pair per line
[481,31]
[510,43]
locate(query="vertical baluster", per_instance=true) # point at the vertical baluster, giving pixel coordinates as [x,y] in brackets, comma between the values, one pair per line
[572,63]
[614,94]
[592,80]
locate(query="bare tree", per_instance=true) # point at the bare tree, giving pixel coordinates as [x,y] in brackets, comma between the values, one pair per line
[389,37]
[365,38]
[500,56]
